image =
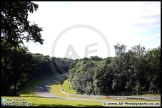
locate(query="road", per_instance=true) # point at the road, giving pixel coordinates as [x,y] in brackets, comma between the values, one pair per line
[42,91]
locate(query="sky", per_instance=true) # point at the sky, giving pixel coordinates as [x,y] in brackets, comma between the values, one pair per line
[74,29]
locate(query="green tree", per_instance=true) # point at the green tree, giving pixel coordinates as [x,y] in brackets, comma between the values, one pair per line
[153,58]
[15,26]
[17,64]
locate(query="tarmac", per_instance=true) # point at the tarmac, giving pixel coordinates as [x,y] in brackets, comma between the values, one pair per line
[42,91]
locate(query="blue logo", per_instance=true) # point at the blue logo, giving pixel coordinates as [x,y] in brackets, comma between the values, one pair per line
[3,104]
[3,100]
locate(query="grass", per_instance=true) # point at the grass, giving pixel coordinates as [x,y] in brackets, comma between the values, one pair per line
[56,90]
[50,102]
[29,89]
[67,87]
[28,93]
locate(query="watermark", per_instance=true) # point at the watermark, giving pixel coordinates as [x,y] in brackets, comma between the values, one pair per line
[86,51]
[131,104]
[15,102]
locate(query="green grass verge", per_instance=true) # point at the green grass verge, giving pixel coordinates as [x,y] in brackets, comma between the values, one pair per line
[51,102]
[56,90]
[29,89]
[67,87]
[28,93]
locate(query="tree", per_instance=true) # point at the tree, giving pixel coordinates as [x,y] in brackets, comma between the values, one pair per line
[15,28]
[135,70]
[108,60]
[95,58]
[103,80]
[14,23]
[139,66]
[153,58]
[17,65]
[119,49]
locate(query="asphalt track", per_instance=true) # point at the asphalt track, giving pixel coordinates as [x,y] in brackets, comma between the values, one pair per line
[42,91]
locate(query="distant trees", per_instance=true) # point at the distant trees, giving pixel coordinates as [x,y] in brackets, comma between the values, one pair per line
[18,64]
[95,58]
[135,70]
[61,64]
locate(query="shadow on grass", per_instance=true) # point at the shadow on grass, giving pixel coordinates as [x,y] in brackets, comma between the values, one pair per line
[57,82]
[31,96]
[11,95]
[59,105]
[31,85]
[27,90]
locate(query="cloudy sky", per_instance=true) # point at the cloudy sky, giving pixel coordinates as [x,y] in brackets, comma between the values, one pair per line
[129,23]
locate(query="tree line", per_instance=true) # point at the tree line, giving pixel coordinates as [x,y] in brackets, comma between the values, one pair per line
[137,69]
[18,65]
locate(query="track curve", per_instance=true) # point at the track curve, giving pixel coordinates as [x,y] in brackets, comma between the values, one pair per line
[42,91]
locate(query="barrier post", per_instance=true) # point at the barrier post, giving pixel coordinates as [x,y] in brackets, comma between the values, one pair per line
[106,96]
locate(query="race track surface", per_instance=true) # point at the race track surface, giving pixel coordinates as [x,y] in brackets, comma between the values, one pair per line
[42,91]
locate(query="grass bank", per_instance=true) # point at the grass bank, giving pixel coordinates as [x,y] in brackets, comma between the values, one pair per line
[67,87]
[28,94]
